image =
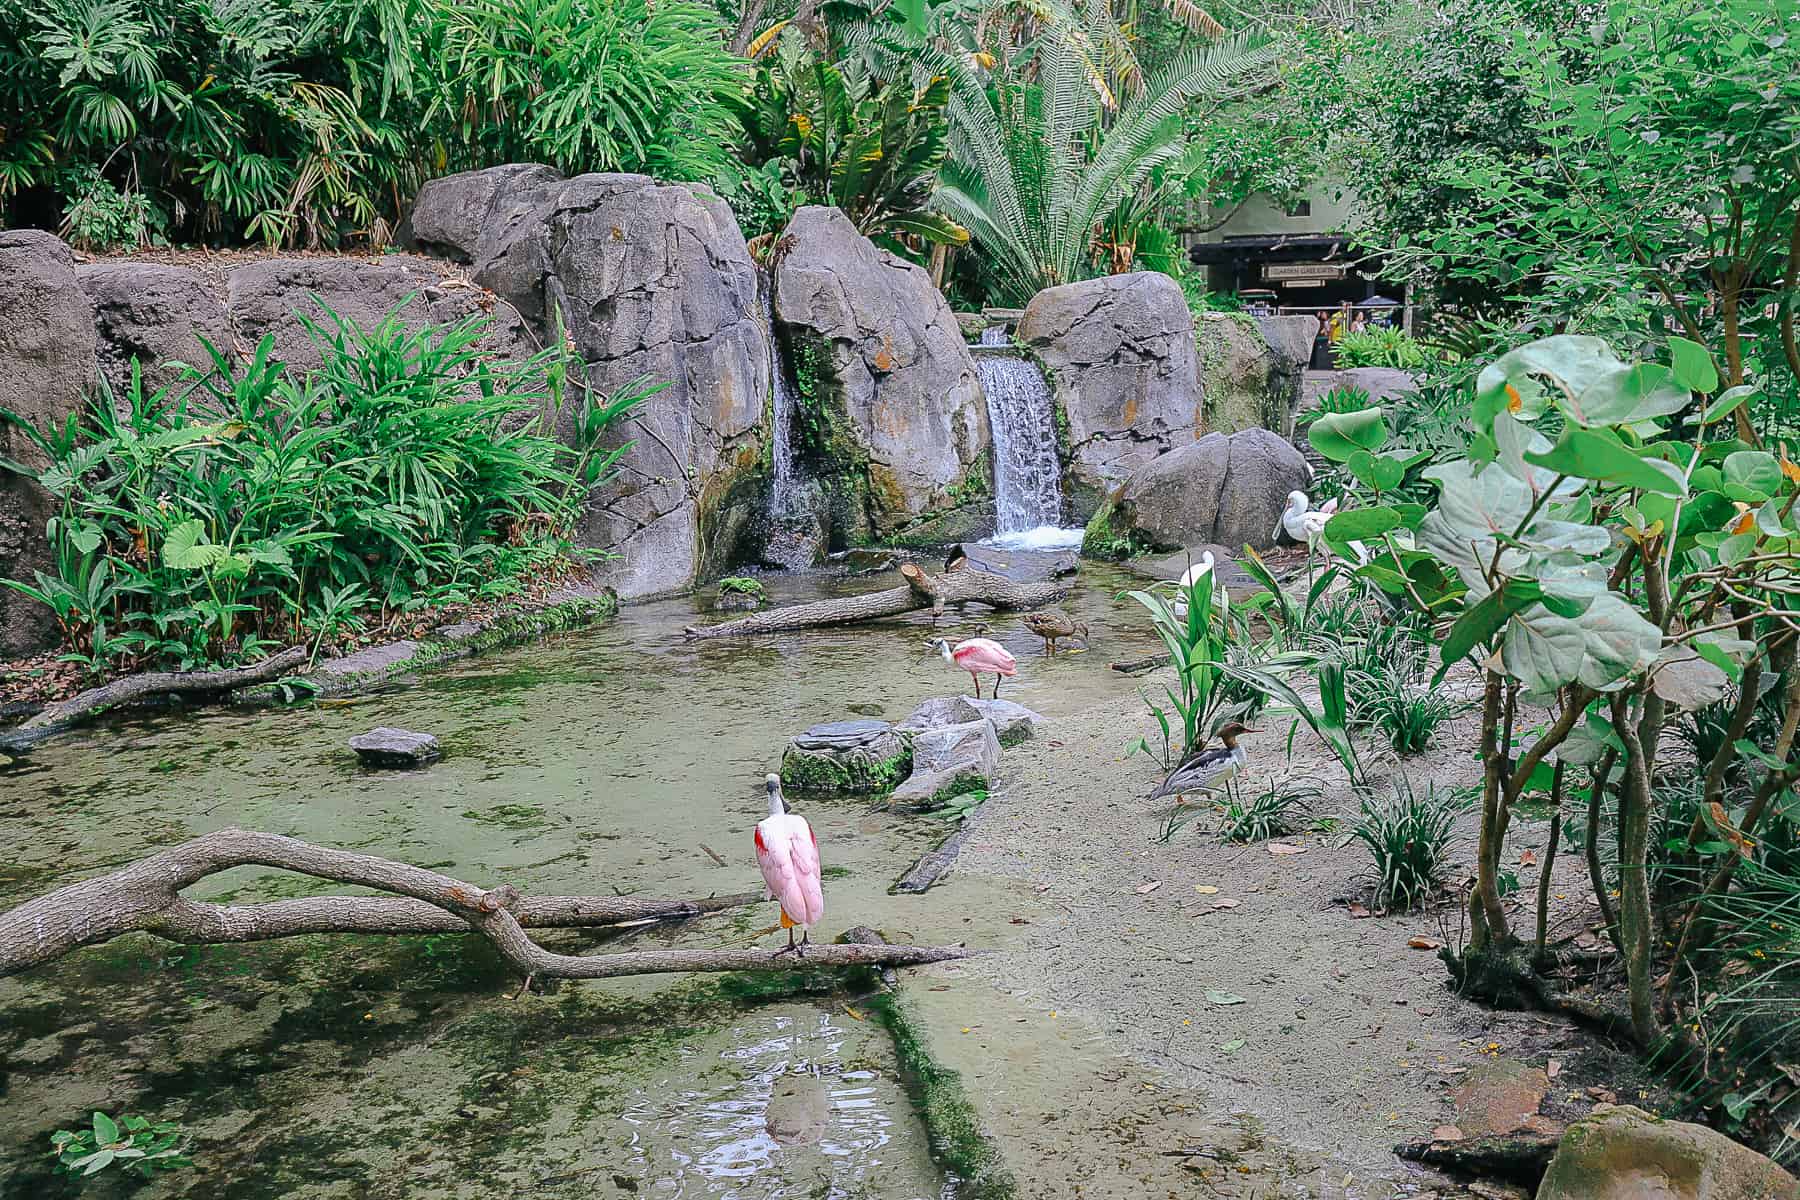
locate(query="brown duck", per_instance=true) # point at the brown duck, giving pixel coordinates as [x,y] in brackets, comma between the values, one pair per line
[1053,625]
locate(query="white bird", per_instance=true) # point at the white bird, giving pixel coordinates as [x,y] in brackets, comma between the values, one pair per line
[1221,598]
[788,853]
[1208,770]
[1307,526]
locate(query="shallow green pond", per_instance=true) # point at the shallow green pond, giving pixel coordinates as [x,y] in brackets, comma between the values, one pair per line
[605,760]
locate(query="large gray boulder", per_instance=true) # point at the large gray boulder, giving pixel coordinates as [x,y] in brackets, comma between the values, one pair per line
[1120,353]
[891,402]
[46,369]
[1224,488]
[276,296]
[1244,383]
[1623,1153]
[1290,341]
[452,213]
[950,760]
[155,314]
[651,280]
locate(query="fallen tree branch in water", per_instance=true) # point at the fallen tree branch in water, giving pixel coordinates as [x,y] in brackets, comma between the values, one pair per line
[133,688]
[145,897]
[919,592]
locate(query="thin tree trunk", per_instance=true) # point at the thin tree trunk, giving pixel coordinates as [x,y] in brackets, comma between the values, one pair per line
[921,591]
[1597,873]
[145,898]
[1487,918]
[1636,920]
[1549,863]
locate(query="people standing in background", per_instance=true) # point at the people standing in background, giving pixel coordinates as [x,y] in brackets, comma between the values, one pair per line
[1360,322]
[1321,351]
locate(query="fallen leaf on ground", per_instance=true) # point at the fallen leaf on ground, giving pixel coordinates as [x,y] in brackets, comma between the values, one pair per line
[1224,998]
[1206,889]
[1144,889]
[1423,943]
[1285,848]
[1218,904]
[1358,912]
[1553,1069]
[1020,921]
[1233,1046]
[1446,1133]
[1604,1095]
[1527,858]
[852,1013]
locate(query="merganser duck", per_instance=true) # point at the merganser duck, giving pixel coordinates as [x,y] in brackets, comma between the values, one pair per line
[1208,770]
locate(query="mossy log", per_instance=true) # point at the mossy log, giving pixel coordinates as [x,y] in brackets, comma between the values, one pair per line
[1520,1157]
[145,897]
[921,591]
[134,688]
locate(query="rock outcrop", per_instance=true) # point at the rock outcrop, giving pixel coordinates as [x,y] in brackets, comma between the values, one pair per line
[1246,382]
[452,214]
[652,280]
[846,758]
[155,314]
[386,748]
[1121,358]
[46,369]
[948,761]
[1224,488]
[1381,383]
[892,414]
[1624,1153]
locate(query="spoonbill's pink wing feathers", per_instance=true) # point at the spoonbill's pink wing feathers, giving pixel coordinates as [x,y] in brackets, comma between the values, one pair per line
[986,656]
[788,854]
[1329,507]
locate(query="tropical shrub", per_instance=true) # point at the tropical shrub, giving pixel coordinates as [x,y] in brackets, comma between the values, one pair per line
[134,1144]
[311,122]
[1380,347]
[1408,835]
[251,506]
[872,150]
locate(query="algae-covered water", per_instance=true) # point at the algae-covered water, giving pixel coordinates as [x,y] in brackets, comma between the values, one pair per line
[619,759]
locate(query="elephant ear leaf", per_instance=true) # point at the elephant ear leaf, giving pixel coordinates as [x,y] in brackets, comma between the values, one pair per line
[1338,436]
[186,548]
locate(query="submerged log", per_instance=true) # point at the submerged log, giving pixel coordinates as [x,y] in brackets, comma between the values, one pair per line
[134,688]
[920,591]
[145,897]
[1519,1157]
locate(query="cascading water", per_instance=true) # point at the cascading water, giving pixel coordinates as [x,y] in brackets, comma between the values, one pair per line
[792,540]
[1027,476]
[995,335]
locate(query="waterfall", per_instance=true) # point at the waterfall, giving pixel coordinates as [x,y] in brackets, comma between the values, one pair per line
[781,491]
[1027,476]
[792,539]
[995,335]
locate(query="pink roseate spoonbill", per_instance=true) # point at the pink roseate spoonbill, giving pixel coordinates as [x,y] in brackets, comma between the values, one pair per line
[978,656]
[1208,770]
[788,853]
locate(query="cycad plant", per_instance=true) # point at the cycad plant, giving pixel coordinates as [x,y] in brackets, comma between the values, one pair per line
[1050,149]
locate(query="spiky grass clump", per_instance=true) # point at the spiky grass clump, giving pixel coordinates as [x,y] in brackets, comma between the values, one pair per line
[1409,836]
[1273,812]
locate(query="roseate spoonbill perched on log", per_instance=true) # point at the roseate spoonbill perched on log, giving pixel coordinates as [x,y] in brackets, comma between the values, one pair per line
[978,656]
[788,854]
[1209,769]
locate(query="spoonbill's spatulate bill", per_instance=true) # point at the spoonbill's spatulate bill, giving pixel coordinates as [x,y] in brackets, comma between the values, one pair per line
[788,854]
[979,656]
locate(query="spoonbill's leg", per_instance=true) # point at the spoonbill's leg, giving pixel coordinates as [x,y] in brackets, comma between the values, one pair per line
[996,685]
[790,948]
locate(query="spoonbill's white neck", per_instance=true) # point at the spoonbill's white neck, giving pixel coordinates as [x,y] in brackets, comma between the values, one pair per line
[944,651]
[777,805]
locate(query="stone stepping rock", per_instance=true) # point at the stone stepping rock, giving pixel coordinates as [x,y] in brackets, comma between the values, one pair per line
[846,758]
[395,748]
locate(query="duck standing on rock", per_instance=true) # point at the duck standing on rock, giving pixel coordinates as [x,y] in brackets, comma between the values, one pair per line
[1208,770]
[788,854]
[978,656]
[1053,624]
